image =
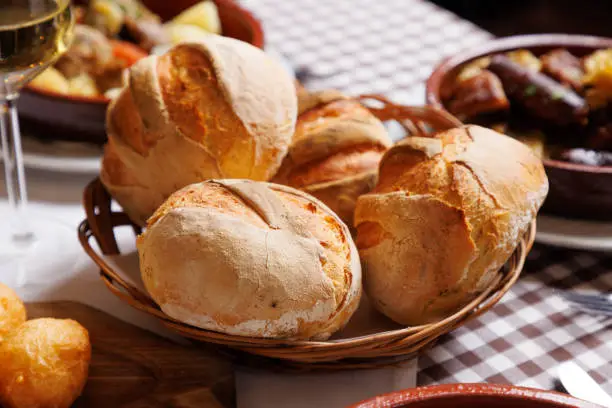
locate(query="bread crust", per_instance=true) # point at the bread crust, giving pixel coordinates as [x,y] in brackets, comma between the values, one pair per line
[216,109]
[335,151]
[446,214]
[252,259]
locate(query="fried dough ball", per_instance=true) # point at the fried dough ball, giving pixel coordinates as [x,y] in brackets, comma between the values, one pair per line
[12,311]
[44,364]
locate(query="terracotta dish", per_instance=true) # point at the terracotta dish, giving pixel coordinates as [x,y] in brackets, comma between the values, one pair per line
[576,190]
[474,396]
[55,116]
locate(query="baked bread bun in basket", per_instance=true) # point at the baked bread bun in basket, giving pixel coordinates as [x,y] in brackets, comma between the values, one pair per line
[216,109]
[252,259]
[335,151]
[370,339]
[445,216]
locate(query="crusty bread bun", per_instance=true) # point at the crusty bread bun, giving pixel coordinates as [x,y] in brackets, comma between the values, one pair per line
[445,216]
[251,258]
[216,109]
[335,151]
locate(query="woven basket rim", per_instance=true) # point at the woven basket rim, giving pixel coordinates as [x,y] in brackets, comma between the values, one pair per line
[357,352]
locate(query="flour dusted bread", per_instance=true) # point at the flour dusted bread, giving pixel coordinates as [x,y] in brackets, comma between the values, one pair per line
[446,214]
[335,151]
[251,258]
[216,109]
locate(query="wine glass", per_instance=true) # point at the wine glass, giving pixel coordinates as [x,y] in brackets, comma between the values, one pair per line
[33,34]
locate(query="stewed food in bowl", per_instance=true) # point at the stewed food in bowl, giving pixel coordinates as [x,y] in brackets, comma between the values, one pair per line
[557,102]
[553,92]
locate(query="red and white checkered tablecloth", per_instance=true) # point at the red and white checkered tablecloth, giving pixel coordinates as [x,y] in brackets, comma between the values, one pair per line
[390,47]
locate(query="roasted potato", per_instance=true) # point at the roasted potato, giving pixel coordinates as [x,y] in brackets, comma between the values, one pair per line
[83,85]
[598,71]
[526,59]
[204,15]
[179,33]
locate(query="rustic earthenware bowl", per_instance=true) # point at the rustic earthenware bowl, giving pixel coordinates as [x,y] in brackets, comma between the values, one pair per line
[474,396]
[576,190]
[50,115]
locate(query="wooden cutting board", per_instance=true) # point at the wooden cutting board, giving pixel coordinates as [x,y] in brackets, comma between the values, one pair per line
[134,368]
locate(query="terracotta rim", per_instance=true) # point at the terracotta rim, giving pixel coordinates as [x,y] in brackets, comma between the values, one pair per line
[257,41]
[448,65]
[507,392]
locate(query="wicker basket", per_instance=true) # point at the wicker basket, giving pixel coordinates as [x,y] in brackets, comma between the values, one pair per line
[374,350]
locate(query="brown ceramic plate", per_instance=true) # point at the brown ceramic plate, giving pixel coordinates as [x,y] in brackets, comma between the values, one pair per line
[474,396]
[576,191]
[55,116]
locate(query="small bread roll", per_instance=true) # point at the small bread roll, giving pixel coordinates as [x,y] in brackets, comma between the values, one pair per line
[251,258]
[445,216]
[220,108]
[12,311]
[335,151]
[44,363]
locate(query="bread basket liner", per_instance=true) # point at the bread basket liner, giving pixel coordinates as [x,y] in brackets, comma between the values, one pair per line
[381,348]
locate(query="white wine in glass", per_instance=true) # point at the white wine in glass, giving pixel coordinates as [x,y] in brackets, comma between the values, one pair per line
[33,34]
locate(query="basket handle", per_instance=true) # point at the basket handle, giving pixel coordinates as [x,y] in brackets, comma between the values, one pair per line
[416,120]
[97,203]
[100,224]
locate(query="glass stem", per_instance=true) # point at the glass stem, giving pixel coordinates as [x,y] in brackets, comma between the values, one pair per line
[12,156]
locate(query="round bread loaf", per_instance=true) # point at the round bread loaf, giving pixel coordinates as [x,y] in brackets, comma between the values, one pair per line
[216,109]
[251,258]
[335,150]
[446,214]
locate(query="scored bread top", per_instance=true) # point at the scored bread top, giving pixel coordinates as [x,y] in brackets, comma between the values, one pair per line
[252,259]
[216,109]
[332,124]
[469,190]
[335,151]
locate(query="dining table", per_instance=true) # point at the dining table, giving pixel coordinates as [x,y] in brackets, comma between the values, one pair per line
[386,47]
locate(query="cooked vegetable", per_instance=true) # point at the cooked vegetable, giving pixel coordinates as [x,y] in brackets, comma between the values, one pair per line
[203,15]
[473,68]
[52,80]
[564,67]
[83,85]
[185,33]
[598,67]
[106,16]
[525,59]
[540,95]
[479,94]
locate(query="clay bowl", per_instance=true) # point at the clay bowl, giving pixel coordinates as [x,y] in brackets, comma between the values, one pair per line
[576,191]
[55,116]
[474,396]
